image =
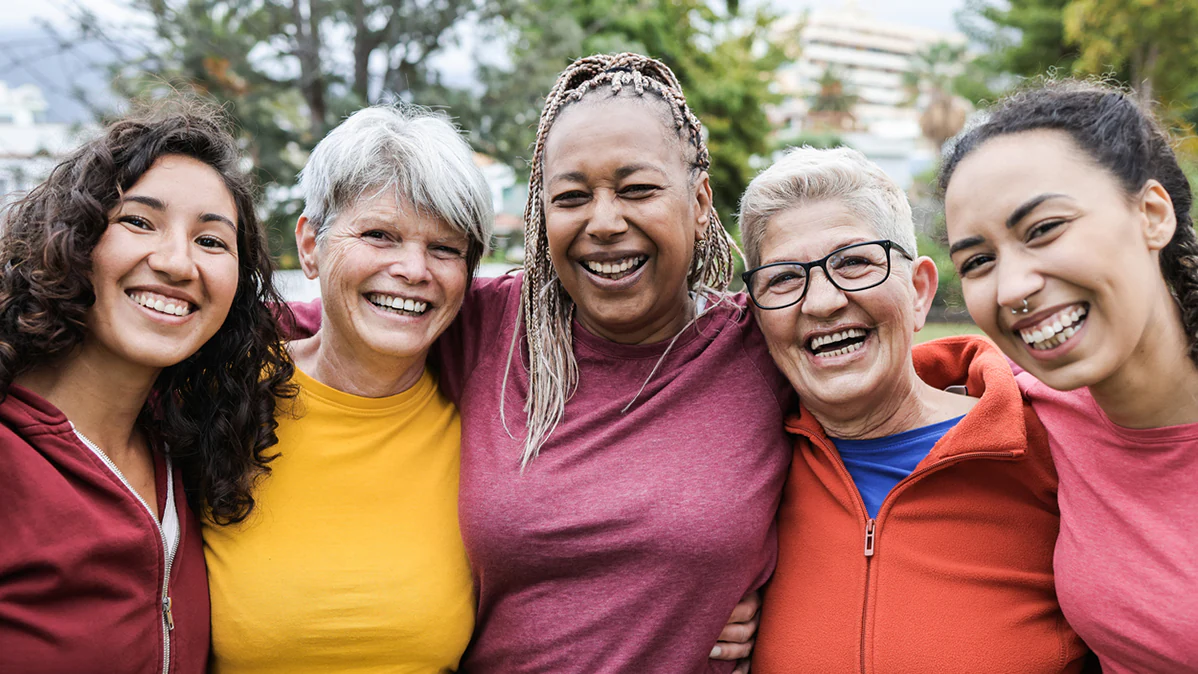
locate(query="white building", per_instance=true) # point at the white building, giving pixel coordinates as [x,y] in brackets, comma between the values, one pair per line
[29,146]
[871,58]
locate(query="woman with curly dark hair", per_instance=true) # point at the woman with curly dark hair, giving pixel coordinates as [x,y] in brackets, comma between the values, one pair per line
[1069,223]
[136,346]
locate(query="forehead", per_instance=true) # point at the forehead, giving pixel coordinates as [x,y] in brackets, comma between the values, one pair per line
[185,182]
[811,230]
[1004,172]
[386,208]
[637,127]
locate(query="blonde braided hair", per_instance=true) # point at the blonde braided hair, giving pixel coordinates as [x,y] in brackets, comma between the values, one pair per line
[546,310]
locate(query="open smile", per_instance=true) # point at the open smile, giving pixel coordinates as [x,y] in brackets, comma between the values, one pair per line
[403,306]
[164,305]
[614,270]
[1055,329]
[839,343]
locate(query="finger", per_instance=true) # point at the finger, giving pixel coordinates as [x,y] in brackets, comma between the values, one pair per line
[746,609]
[739,632]
[742,667]
[731,651]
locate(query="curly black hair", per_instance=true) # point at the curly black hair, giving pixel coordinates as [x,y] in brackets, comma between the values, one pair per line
[215,411]
[1121,136]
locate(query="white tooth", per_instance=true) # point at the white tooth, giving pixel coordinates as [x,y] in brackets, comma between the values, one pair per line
[1069,332]
[159,305]
[421,306]
[1067,320]
[168,309]
[1057,327]
[409,305]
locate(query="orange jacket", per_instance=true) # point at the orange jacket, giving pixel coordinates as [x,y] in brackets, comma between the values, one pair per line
[954,575]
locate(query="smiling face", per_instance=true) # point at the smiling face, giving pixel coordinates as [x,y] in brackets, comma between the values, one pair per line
[623,211]
[842,350]
[392,279]
[165,270]
[1030,216]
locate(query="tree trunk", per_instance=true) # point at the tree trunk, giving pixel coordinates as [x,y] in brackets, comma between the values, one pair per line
[307,49]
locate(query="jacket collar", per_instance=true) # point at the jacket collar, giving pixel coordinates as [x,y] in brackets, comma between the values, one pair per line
[996,424]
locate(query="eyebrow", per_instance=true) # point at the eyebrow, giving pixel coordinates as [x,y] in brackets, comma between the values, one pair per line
[1030,205]
[621,173]
[1013,219]
[158,205]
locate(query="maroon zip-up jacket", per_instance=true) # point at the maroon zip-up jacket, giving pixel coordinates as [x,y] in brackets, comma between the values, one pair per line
[82,560]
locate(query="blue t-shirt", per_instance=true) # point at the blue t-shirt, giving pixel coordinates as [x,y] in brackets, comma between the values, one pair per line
[878,464]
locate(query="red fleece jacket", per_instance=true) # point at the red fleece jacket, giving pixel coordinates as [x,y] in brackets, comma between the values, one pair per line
[954,575]
[81,560]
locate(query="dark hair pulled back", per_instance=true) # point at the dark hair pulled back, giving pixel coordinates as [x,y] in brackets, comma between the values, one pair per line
[1119,135]
[214,412]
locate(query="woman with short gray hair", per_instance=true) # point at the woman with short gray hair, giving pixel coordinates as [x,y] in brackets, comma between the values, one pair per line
[353,559]
[918,523]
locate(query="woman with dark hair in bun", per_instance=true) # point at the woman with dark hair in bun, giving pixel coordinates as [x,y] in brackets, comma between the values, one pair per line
[1069,223]
[136,347]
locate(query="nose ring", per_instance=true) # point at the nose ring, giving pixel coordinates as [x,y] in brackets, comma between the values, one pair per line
[1022,310]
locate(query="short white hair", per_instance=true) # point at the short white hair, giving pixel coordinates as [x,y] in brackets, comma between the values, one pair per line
[805,175]
[418,153]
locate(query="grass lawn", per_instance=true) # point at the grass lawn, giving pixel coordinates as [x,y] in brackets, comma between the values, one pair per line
[934,330]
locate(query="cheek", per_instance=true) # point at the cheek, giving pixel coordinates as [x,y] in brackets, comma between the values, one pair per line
[221,275]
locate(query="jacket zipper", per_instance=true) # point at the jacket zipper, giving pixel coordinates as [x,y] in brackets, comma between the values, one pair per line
[871,524]
[168,554]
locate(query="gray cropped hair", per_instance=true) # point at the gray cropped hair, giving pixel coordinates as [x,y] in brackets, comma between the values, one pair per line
[806,175]
[418,153]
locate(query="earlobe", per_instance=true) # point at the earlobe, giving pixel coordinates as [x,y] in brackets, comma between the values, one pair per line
[926,280]
[305,245]
[1160,220]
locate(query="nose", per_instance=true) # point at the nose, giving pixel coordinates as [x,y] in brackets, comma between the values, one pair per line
[606,221]
[173,255]
[1017,279]
[410,263]
[823,299]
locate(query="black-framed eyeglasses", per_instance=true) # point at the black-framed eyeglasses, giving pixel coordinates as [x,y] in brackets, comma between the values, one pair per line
[857,267]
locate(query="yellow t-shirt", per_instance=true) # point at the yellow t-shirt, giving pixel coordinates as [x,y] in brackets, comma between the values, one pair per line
[352,560]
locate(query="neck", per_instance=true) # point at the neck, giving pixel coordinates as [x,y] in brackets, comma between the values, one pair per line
[907,405]
[102,396]
[338,364]
[649,332]
[1158,385]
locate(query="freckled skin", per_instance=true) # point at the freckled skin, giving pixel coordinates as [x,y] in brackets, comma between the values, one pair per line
[871,380]
[382,246]
[594,203]
[1091,244]
[174,247]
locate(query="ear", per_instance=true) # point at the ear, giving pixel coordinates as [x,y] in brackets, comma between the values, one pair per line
[925,279]
[305,243]
[1160,221]
[703,205]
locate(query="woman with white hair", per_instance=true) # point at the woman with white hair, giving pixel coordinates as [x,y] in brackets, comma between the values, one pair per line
[917,526]
[352,559]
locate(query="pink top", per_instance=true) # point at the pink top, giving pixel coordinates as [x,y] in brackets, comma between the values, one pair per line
[625,544]
[1127,556]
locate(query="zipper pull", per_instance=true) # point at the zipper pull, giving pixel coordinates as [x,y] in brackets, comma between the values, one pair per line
[869,538]
[166,611]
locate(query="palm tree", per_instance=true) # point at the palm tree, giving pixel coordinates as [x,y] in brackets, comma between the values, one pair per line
[934,71]
[832,104]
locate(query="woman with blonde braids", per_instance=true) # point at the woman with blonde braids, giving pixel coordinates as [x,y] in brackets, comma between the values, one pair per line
[622,451]
[622,445]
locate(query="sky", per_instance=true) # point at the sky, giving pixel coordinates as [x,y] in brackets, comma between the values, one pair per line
[26,55]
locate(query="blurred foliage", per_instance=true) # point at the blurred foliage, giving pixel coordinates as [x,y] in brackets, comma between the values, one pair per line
[725,60]
[287,70]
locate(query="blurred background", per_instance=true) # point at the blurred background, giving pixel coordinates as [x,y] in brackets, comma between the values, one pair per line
[894,80]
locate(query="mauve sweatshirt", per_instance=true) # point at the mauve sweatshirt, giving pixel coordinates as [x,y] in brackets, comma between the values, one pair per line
[625,544]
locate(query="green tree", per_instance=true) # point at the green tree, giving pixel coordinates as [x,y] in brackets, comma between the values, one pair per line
[288,70]
[1153,43]
[1022,37]
[724,60]
[936,74]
